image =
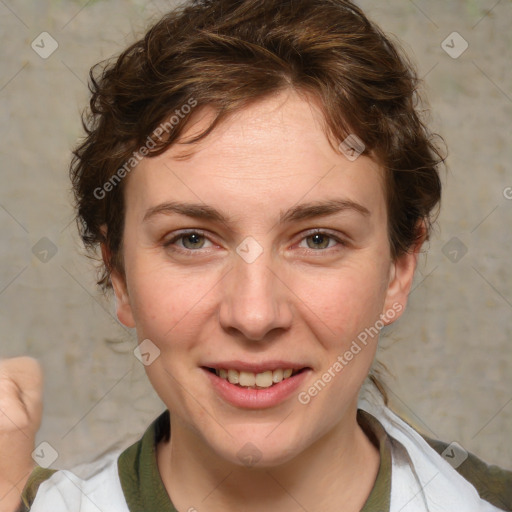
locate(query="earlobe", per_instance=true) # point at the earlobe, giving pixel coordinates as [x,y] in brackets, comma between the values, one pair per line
[401,276]
[123,305]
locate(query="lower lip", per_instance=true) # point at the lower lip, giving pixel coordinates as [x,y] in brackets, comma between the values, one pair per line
[256,398]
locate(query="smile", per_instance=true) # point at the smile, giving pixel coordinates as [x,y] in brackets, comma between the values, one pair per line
[253,380]
[256,390]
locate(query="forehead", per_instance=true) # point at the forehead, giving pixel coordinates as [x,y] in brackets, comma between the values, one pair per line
[270,154]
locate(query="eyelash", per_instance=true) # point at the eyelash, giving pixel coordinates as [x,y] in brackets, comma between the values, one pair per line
[189,252]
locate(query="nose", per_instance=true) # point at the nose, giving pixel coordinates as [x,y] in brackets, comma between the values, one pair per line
[255,299]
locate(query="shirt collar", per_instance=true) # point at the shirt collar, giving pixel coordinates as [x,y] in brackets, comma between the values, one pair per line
[144,490]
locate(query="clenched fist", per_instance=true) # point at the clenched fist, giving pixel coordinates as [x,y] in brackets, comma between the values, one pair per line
[21,387]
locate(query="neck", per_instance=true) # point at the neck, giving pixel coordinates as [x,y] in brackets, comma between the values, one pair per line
[339,467]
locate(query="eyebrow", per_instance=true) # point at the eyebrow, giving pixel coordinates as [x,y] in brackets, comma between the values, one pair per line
[300,212]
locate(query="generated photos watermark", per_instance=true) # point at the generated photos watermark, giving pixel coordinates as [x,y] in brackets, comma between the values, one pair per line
[352,147]
[144,150]
[344,359]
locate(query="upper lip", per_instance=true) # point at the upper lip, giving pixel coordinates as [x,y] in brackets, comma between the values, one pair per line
[255,367]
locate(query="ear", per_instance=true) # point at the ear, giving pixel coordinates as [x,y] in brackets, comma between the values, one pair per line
[401,276]
[123,306]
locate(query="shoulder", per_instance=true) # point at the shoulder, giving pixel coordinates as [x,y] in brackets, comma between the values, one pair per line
[492,483]
[115,482]
[36,478]
[425,470]
[89,487]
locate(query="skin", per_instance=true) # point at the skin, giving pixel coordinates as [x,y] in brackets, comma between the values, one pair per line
[198,301]
[21,387]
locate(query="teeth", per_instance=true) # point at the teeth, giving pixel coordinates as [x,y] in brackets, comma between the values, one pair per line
[254,380]
[246,379]
[265,379]
[277,375]
[233,376]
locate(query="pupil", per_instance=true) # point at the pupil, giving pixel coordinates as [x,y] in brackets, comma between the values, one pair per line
[318,240]
[193,239]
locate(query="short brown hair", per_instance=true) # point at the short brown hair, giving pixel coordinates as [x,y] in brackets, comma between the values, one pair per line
[229,53]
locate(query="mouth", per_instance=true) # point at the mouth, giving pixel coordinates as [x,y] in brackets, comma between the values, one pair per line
[251,380]
[256,386]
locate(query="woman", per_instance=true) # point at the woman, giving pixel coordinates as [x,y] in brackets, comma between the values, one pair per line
[260,185]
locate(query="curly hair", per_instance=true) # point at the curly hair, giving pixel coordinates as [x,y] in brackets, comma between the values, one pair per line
[226,54]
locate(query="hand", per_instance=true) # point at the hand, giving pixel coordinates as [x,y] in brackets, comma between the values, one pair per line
[21,389]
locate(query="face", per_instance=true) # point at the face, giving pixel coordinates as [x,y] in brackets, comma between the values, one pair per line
[265,250]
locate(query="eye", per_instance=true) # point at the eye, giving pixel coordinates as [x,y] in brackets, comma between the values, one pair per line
[188,241]
[192,241]
[321,240]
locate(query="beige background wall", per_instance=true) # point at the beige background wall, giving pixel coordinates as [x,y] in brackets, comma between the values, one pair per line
[452,352]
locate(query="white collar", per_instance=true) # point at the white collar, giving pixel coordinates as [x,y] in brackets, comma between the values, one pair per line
[421,479]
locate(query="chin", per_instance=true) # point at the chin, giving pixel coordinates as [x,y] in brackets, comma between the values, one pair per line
[258,451]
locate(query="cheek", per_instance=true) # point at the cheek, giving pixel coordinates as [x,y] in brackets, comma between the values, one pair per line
[169,303]
[344,302]
[171,308]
